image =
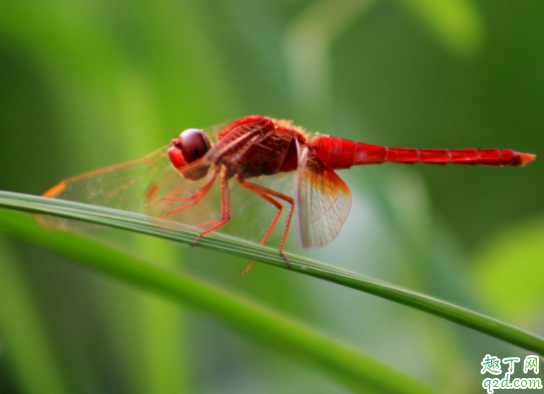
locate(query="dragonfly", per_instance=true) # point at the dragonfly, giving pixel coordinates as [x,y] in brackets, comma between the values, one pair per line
[190,180]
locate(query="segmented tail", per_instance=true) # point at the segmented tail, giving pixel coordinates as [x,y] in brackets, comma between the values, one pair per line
[340,153]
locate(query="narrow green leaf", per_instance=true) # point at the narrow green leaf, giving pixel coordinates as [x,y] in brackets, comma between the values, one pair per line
[187,234]
[341,362]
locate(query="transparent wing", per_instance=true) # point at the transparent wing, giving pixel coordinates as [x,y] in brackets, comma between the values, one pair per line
[129,186]
[323,200]
[252,215]
[213,131]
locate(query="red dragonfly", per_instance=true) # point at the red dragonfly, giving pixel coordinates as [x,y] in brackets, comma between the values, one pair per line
[176,181]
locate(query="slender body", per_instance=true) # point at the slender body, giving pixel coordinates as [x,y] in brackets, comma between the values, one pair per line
[264,146]
[176,178]
[339,153]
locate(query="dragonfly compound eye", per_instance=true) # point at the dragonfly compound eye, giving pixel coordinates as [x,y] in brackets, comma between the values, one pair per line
[194,144]
[191,145]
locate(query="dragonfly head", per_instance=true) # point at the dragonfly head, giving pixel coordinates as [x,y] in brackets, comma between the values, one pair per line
[191,145]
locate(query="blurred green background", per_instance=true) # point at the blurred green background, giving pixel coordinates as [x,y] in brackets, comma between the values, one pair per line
[87,84]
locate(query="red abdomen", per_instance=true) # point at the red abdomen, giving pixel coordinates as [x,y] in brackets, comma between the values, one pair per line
[339,153]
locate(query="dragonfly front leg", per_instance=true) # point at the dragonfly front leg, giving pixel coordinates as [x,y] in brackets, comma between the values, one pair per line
[265,193]
[225,208]
[194,198]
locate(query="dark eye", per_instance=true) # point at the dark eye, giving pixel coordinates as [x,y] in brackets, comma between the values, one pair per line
[194,144]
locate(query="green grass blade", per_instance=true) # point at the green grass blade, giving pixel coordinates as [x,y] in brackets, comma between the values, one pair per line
[187,234]
[346,365]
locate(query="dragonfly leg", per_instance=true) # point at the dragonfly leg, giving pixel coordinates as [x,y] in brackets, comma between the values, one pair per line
[207,186]
[195,197]
[173,199]
[225,208]
[266,194]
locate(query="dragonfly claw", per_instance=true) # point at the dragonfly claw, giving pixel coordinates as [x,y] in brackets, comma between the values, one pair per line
[286,260]
[248,267]
[196,241]
[252,261]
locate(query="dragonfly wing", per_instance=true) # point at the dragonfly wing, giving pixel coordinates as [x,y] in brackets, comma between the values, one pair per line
[214,131]
[187,201]
[252,215]
[129,186]
[323,200]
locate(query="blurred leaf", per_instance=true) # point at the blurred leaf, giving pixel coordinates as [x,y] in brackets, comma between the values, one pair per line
[456,23]
[308,43]
[501,270]
[340,361]
[24,335]
[187,234]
